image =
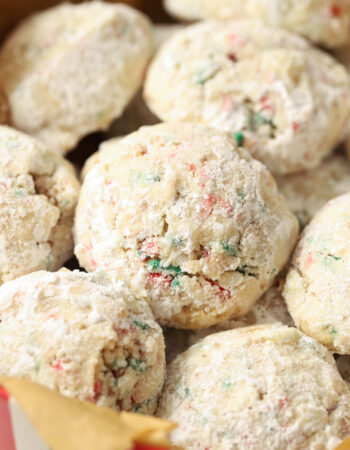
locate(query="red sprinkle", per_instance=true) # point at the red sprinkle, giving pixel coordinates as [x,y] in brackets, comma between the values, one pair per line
[97,389]
[57,365]
[208,203]
[191,167]
[232,57]
[165,280]
[284,402]
[295,126]
[335,11]
[224,294]
[3,393]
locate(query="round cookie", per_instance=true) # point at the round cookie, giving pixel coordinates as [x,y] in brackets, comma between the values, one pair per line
[317,289]
[191,220]
[267,386]
[38,194]
[285,101]
[72,69]
[306,192]
[270,308]
[324,22]
[83,335]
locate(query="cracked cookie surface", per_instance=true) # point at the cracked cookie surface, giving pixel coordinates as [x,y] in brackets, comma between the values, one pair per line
[317,288]
[264,386]
[83,335]
[285,101]
[189,219]
[38,194]
[72,69]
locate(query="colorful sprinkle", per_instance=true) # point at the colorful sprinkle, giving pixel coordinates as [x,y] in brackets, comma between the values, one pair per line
[239,138]
[141,325]
[230,249]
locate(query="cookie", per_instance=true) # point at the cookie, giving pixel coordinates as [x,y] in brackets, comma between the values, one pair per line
[190,219]
[270,308]
[324,22]
[267,386]
[84,336]
[306,192]
[38,194]
[285,101]
[317,286]
[72,69]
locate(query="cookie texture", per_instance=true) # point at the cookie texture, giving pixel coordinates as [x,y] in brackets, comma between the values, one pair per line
[268,385]
[72,69]
[324,22]
[270,308]
[286,102]
[189,219]
[38,194]
[83,335]
[317,285]
[307,191]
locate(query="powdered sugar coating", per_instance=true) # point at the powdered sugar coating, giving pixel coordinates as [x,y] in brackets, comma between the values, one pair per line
[317,288]
[306,192]
[190,220]
[270,308]
[38,194]
[83,335]
[72,69]
[267,386]
[287,102]
[325,22]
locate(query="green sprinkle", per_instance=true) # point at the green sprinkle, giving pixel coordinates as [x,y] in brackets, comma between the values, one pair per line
[175,282]
[187,392]
[226,382]
[137,365]
[241,194]
[137,407]
[154,264]
[239,137]
[100,114]
[141,325]
[177,242]
[150,179]
[176,269]
[331,330]
[19,193]
[203,75]
[230,249]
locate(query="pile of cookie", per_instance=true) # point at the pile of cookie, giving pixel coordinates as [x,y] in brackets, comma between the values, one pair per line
[215,239]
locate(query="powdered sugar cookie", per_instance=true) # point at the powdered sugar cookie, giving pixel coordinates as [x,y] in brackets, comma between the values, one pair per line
[84,336]
[270,308]
[317,288]
[267,386]
[72,69]
[285,101]
[38,195]
[306,192]
[193,222]
[325,22]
